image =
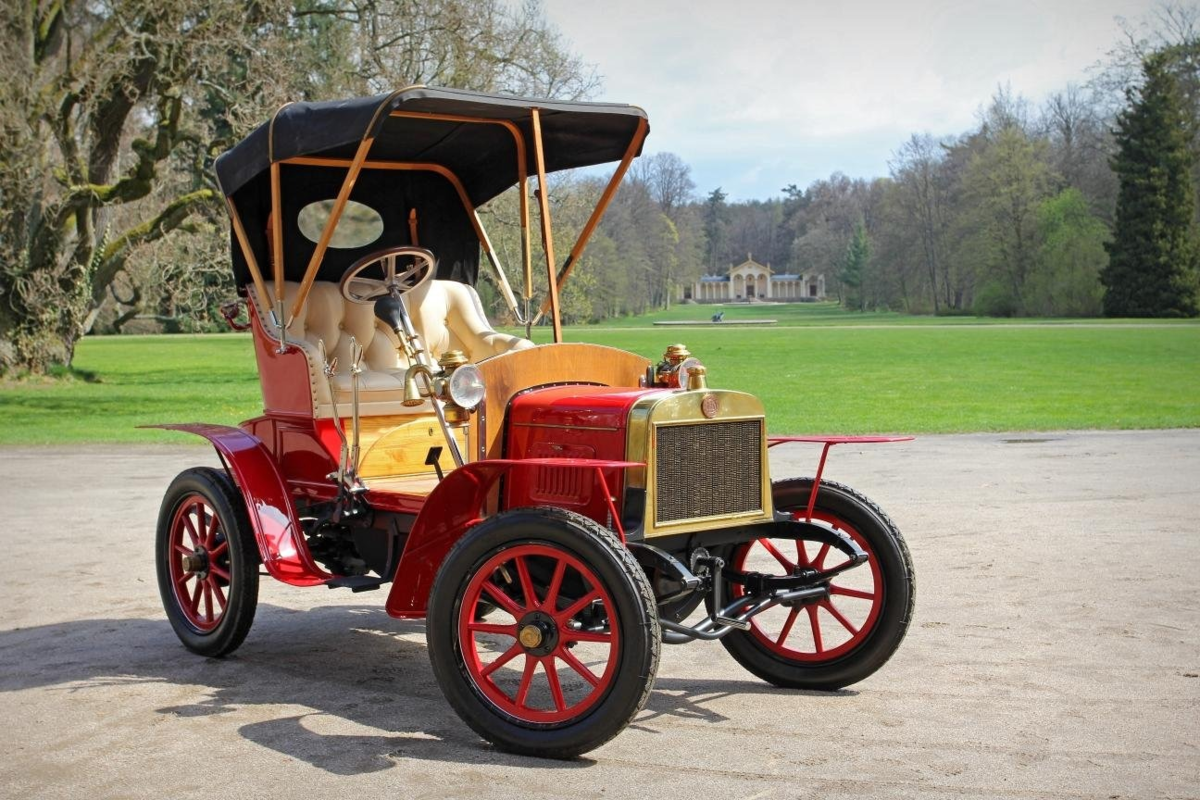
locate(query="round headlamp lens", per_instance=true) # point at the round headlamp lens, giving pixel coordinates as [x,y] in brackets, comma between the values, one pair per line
[466,386]
[680,377]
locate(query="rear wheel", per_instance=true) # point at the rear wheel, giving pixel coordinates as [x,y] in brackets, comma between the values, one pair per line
[570,647]
[842,638]
[207,562]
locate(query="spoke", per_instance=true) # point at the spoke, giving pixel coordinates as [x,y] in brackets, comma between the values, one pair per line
[216,587]
[213,530]
[556,692]
[780,557]
[194,600]
[208,602]
[531,601]
[506,602]
[819,561]
[832,609]
[842,590]
[491,627]
[182,579]
[816,628]
[555,584]
[202,524]
[577,665]
[220,573]
[802,553]
[587,636]
[191,529]
[577,606]
[787,626]
[526,679]
[218,550]
[507,656]
[181,549]
[391,269]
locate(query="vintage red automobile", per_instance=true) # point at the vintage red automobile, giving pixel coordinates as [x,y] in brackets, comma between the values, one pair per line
[555,512]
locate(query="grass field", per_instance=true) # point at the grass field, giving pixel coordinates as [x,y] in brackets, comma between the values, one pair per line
[911,378]
[832,314]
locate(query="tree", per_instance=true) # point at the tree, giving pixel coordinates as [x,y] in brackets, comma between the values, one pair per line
[917,169]
[1006,183]
[1070,257]
[715,225]
[854,268]
[1152,255]
[668,179]
[112,112]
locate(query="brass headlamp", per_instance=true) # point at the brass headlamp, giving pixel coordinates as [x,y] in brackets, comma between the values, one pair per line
[675,369]
[457,384]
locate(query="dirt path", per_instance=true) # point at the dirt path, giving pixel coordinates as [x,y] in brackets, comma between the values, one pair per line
[1054,652]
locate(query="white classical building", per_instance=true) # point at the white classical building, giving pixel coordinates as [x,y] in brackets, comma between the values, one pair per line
[753,281]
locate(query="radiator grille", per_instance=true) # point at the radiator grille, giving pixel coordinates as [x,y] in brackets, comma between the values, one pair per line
[708,469]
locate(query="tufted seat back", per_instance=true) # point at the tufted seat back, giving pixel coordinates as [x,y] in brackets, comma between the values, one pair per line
[328,317]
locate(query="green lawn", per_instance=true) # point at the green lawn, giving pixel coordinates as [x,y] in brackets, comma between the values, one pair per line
[912,378]
[832,314]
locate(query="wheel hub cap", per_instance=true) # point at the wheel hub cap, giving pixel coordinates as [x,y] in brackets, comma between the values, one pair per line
[531,636]
[194,562]
[537,633]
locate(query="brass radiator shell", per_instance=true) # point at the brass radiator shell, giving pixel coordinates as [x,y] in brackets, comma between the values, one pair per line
[706,461]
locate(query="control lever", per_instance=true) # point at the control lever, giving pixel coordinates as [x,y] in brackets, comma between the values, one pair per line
[356,354]
[330,370]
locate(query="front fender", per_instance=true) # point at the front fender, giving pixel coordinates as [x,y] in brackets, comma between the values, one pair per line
[454,505]
[281,543]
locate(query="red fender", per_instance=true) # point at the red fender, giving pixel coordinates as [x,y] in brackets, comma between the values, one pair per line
[454,505]
[828,442]
[272,514]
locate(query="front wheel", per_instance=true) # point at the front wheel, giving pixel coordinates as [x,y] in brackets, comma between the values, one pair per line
[850,633]
[570,647]
[207,562]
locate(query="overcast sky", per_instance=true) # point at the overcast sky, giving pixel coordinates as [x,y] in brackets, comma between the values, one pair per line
[757,94]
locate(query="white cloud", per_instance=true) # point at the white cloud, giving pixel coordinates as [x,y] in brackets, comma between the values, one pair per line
[755,95]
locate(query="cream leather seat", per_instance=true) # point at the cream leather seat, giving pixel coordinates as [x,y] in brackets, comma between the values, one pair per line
[446,314]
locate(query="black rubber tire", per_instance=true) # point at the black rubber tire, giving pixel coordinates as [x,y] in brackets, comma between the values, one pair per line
[223,496]
[899,595]
[626,584]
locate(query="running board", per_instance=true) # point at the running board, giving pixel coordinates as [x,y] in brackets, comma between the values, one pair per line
[356,583]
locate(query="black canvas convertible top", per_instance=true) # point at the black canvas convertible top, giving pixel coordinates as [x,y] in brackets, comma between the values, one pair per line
[482,156]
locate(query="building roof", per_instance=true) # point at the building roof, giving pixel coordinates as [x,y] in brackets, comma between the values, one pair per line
[714,279]
[785,277]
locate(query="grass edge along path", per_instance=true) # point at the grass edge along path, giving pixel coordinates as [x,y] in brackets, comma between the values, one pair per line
[845,379]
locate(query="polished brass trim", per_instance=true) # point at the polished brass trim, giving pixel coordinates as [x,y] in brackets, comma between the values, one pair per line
[684,408]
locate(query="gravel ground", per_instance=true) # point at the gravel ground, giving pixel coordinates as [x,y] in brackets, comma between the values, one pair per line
[1054,651]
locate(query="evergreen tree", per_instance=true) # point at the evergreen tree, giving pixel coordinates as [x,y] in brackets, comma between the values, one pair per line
[853,268]
[1152,255]
[715,224]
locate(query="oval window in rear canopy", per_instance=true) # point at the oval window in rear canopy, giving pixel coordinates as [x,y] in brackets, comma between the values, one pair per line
[358,226]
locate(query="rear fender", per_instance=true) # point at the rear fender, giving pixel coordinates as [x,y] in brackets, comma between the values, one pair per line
[454,505]
[281,543]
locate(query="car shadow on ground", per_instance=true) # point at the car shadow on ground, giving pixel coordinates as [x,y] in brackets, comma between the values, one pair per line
[323,667]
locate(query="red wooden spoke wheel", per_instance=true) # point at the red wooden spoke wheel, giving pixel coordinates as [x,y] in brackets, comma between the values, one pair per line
[567,653]
[199,563]
[207,562]
[828,628]
[848,634]
[541,633]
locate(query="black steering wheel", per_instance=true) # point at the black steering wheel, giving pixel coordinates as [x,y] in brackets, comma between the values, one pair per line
[395,280]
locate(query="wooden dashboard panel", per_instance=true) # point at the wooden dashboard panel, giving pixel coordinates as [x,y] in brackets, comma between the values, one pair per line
[507,374]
